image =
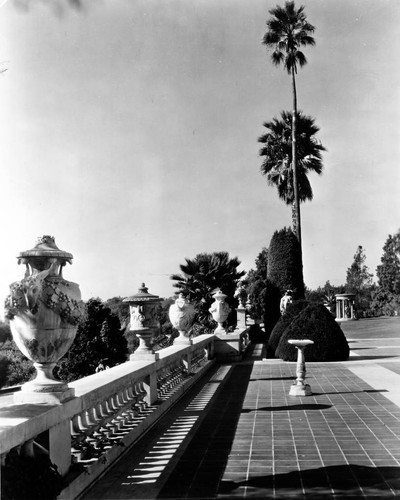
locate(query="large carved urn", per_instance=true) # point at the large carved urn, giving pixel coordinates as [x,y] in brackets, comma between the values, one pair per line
[181,314]
[219,311]
[144,321]
[44,310]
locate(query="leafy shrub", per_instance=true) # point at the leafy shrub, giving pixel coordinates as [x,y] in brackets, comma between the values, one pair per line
[5,332]
[4,365]
[316,323]
[99,340]
[283,323]
[15,368]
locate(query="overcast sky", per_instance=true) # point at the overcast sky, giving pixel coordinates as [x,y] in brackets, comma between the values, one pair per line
[129,132]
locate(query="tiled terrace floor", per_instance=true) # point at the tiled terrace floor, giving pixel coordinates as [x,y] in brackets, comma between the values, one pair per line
[240,435]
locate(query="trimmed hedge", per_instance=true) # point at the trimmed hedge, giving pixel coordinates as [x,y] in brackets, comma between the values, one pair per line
[316,323]
[283,323]
[285,269]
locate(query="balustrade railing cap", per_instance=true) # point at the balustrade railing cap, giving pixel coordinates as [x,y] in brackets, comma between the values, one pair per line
[142,295]
[46,247]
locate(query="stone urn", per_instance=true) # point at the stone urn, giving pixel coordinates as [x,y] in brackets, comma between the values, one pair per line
[219,311]
[44,310]
[181,314]
[144,321]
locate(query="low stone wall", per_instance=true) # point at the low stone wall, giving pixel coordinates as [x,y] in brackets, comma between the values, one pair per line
[110,411]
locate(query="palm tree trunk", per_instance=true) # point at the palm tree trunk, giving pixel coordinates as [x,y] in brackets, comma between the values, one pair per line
[296,214]
[296,230]
[294,218]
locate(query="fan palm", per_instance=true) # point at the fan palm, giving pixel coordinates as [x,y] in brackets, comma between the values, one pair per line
[288,30]
[278,154]
[205,273]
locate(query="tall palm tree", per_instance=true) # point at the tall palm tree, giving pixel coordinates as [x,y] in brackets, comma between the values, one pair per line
[278,153]
[288,30]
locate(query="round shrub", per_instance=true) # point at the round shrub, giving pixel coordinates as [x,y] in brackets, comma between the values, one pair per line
[292,311]
[316,323]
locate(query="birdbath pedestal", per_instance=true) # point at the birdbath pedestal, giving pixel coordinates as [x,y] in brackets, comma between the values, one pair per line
[300,388]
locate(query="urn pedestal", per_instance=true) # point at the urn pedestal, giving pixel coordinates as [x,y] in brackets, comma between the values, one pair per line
[181,314]
[44,310]
[219,311]
[144,321]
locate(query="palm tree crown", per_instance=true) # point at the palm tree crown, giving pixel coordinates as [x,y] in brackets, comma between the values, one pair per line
[277,153]
[288,30]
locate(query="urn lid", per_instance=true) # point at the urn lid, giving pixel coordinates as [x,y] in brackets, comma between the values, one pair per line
[219,295]
[46,247]
[142,296]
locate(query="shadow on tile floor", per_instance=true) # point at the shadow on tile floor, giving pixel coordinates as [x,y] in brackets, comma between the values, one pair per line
[200,468]
[345,480]
[291,407]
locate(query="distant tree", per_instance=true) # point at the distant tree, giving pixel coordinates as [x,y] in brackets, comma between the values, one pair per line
[358,276]
[201,276]
[5,332]
[277,153]
[15,368]
[287,32]
[388,272]
[99,339]
[359,282]
[119,308]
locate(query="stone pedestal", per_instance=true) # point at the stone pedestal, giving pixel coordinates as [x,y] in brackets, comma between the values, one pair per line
[300,388]
[144,351]
[230,347]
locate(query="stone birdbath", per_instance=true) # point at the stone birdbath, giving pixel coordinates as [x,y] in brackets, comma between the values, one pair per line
[44,310]
[300,388]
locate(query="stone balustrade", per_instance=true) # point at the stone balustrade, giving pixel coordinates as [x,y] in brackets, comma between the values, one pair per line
[111,409]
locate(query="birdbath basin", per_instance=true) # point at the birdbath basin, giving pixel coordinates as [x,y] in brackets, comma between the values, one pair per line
[300,343]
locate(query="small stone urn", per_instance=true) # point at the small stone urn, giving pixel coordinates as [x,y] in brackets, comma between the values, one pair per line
[219,310]
[181,314]
[44,310]
[145,323]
